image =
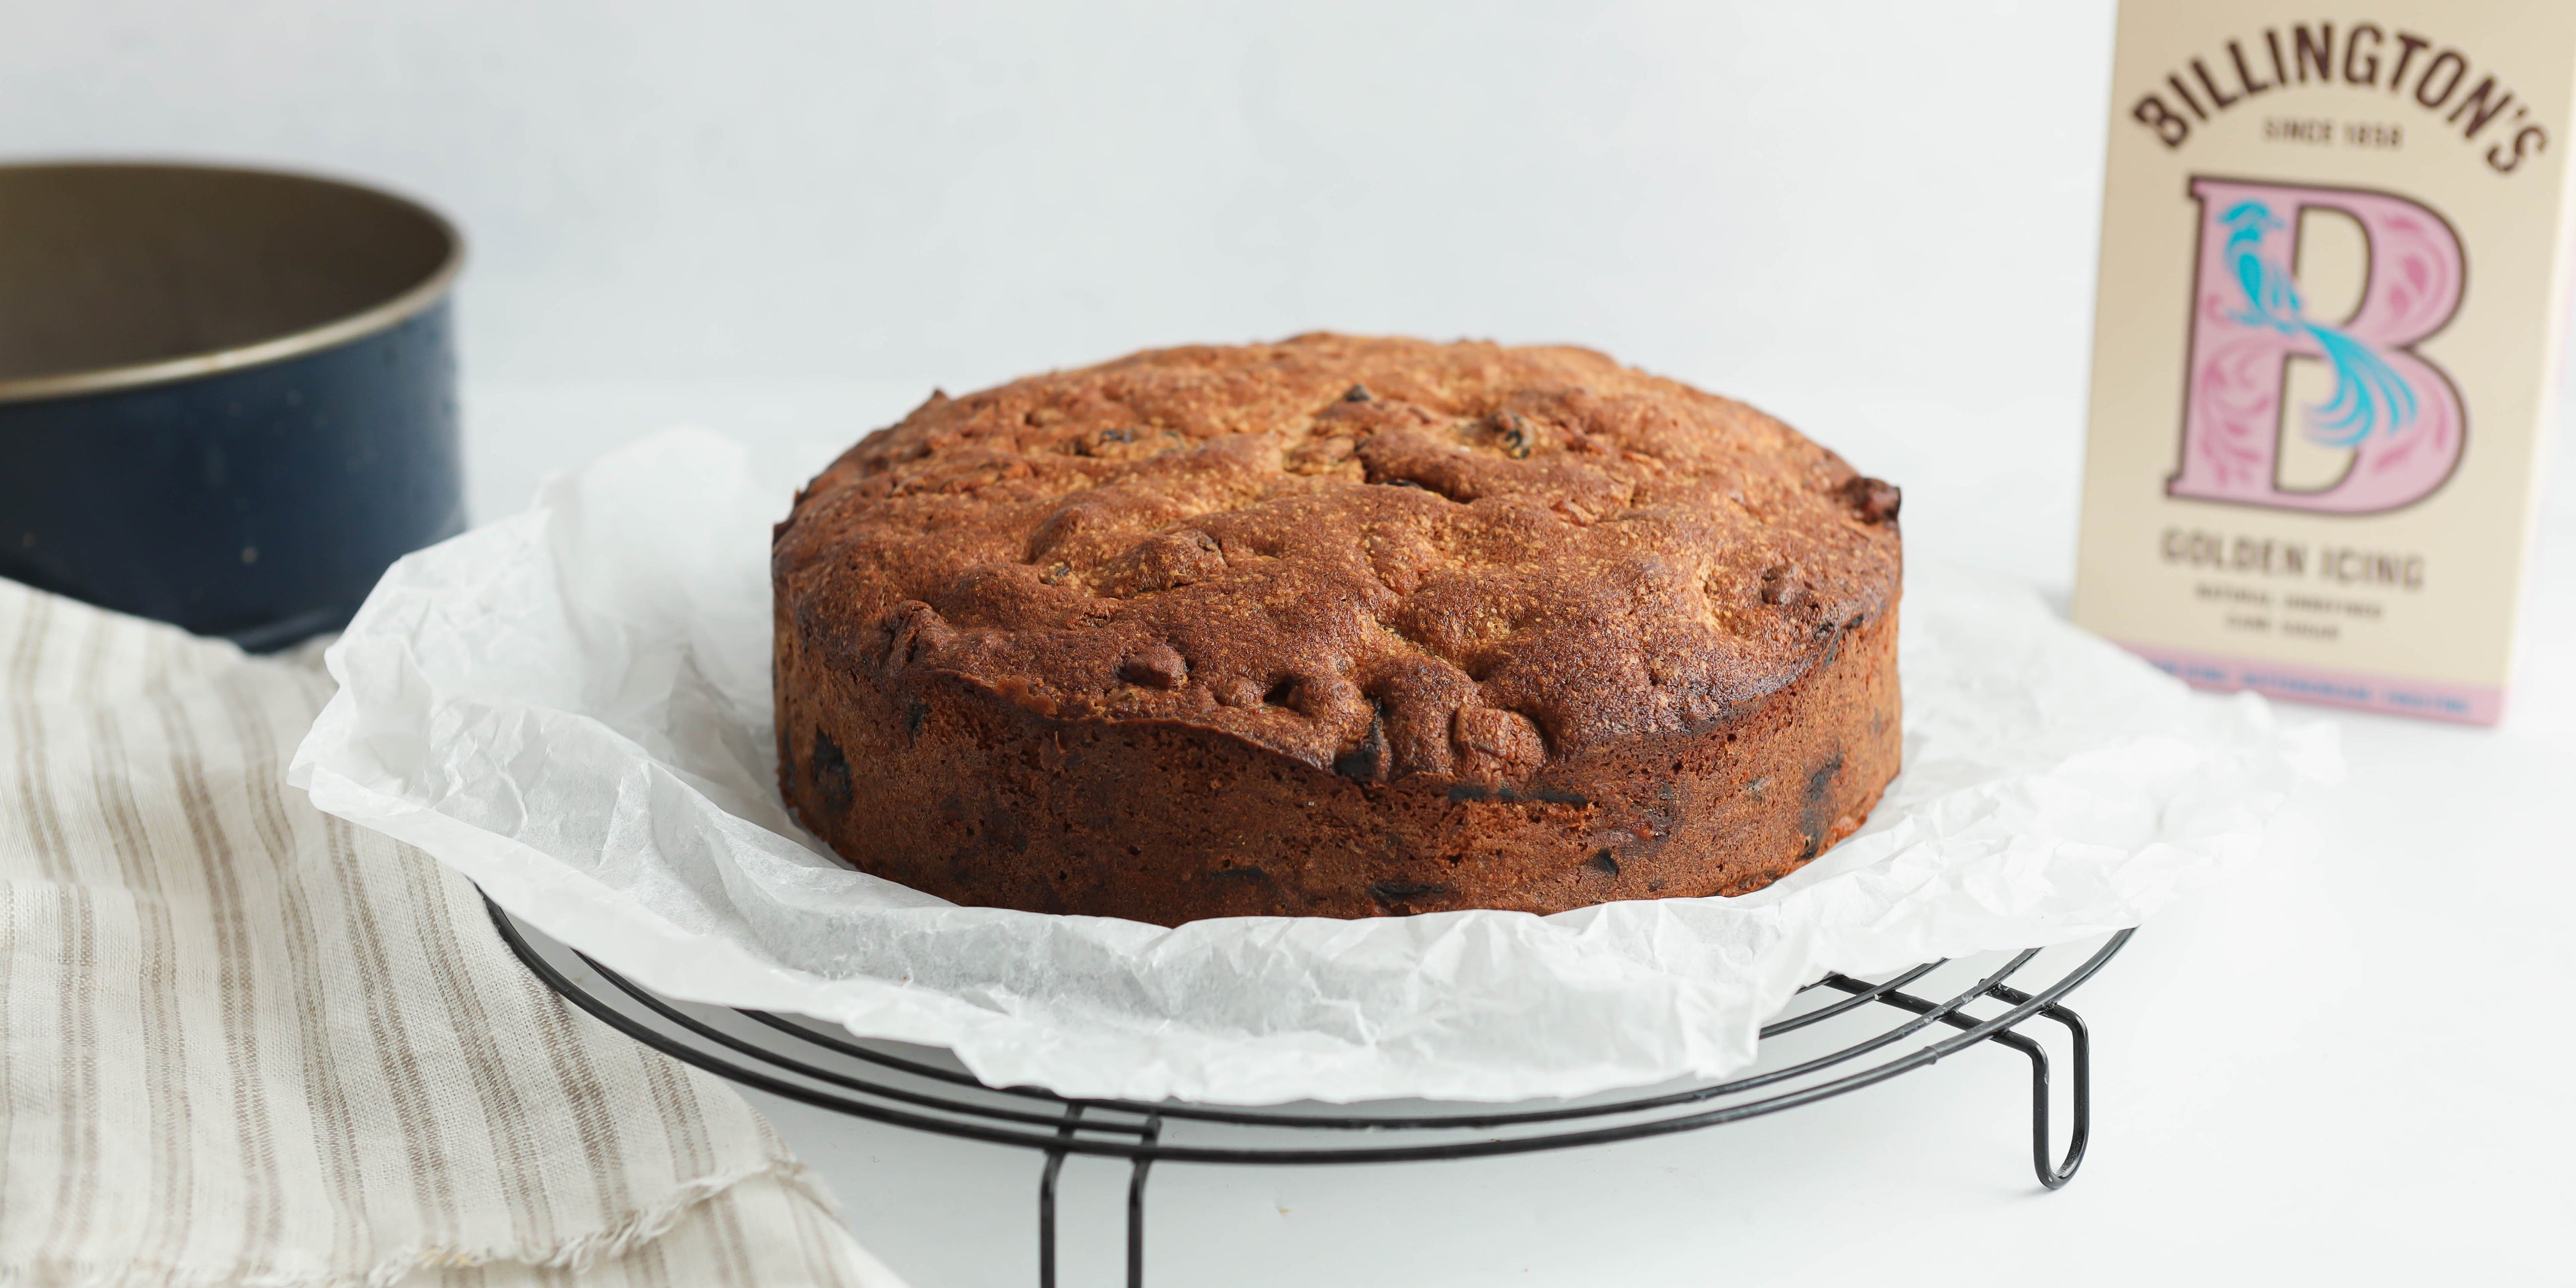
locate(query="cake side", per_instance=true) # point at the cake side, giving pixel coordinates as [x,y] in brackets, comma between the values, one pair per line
[934,781]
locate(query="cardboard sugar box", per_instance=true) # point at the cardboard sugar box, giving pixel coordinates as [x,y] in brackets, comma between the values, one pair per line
[2333,279]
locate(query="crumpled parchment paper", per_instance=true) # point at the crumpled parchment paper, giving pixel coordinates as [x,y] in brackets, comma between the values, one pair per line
[572,708]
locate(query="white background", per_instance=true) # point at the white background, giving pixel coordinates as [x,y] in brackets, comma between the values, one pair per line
[1768,198]
[790,221]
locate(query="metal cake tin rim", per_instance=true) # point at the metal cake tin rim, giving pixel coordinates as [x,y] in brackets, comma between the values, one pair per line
[385,315]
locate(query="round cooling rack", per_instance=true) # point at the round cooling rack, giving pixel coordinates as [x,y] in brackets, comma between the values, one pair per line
[1840,1034]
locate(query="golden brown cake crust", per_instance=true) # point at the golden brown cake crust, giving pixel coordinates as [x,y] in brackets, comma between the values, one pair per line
[1336,626]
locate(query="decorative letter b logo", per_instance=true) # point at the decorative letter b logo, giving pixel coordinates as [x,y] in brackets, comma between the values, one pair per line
[2398,413]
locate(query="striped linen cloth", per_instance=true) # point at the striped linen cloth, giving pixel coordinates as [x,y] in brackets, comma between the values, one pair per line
[247,1043]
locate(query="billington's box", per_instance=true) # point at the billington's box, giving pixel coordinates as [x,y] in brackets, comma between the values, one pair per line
[2331,293]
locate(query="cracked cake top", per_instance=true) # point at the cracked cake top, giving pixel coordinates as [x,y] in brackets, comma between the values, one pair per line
[1383,555]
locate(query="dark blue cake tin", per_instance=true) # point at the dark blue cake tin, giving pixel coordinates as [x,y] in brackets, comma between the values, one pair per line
[227,397]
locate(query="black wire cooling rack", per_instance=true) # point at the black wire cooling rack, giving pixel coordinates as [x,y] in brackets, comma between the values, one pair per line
[1841,1034]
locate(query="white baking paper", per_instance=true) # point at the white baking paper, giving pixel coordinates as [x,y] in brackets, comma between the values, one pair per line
[572,708]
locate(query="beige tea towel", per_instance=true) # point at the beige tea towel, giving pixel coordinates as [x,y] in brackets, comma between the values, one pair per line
[250,1044]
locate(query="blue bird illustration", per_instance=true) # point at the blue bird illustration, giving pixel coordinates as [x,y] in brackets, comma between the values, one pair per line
[2369,397]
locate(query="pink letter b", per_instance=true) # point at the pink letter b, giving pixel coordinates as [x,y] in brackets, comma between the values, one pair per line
[2398,413]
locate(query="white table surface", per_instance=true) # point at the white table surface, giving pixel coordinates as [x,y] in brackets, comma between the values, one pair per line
[2349,1065]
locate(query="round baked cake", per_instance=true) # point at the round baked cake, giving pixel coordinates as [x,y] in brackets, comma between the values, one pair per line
[1336,627]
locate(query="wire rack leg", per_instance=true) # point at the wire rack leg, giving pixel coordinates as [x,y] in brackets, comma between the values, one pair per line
[1046,1199]
[2052,1173]
[1136,1208]
[2055,1173]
